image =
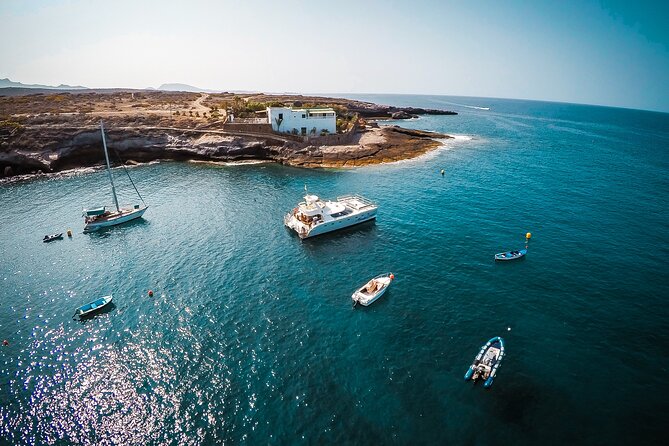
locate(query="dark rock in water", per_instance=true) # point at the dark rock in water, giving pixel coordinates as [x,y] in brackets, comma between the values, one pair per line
[414,132]
[385,111]
[402,115]
[8,171]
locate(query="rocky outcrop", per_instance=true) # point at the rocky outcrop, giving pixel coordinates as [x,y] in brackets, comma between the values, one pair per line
[371,146]
[402,115]
[56,149]
[369,110]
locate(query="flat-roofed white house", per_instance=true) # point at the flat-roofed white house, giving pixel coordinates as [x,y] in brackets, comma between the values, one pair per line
[305,121]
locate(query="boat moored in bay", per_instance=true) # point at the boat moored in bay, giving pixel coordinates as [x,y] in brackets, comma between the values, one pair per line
[101,217]
[93,306]
[50,238]
[510,255]
[314,216]
[487,362]
[372,290]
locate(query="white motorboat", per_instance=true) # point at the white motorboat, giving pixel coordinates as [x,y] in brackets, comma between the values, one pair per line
[98,218]
[373,289]
[314,216]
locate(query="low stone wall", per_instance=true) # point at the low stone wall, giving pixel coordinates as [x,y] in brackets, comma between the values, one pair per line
[315,140]
[329,140]
[333,139]
[247,121]
[248,128]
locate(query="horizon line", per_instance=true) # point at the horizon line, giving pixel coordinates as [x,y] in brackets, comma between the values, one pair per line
[79,88]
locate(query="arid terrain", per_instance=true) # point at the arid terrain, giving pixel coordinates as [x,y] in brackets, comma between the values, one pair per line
[53,131]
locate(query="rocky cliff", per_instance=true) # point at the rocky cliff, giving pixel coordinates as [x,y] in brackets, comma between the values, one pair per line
[53,149]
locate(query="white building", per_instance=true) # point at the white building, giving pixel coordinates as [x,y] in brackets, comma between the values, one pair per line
[304,121]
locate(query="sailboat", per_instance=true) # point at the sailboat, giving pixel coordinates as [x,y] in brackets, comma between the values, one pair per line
[101,217]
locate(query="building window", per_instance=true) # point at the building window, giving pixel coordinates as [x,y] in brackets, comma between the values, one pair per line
[303,116]
[304,130]
[280,115]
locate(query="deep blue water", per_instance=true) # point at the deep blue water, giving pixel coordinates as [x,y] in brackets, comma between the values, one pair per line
[250,337]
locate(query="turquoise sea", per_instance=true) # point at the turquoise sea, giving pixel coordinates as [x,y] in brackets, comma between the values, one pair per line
[250,337]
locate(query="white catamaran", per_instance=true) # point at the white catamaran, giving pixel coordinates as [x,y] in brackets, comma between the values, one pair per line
[100,217]
[314,216]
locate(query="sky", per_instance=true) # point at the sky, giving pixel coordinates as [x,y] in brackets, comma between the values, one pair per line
[605,52]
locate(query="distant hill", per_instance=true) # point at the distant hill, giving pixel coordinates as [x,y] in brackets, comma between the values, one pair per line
[190,88]
[6,83]
[185,87]
[11,88]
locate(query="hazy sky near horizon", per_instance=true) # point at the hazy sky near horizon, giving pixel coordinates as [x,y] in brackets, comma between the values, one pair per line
[608,52]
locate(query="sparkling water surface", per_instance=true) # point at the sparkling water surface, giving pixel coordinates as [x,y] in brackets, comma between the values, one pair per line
[250,336]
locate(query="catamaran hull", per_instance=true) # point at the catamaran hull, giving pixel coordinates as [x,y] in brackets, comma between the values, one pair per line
[330,226]
[314,217]
[94,226]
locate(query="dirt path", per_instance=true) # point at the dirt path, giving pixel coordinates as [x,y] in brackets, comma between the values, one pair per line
[197,104]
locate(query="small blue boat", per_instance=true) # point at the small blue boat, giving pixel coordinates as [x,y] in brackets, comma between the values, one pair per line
[93,306]
[511,255]
[487,362]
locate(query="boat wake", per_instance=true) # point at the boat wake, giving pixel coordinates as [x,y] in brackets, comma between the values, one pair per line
[461,137]
[466,106]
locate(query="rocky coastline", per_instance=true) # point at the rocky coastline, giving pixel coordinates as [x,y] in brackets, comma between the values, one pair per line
[46,143]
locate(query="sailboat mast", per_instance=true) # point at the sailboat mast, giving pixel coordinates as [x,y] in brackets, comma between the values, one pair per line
[111,178]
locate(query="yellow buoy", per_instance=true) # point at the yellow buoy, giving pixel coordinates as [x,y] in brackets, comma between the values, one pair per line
[528,235]
[69,232]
